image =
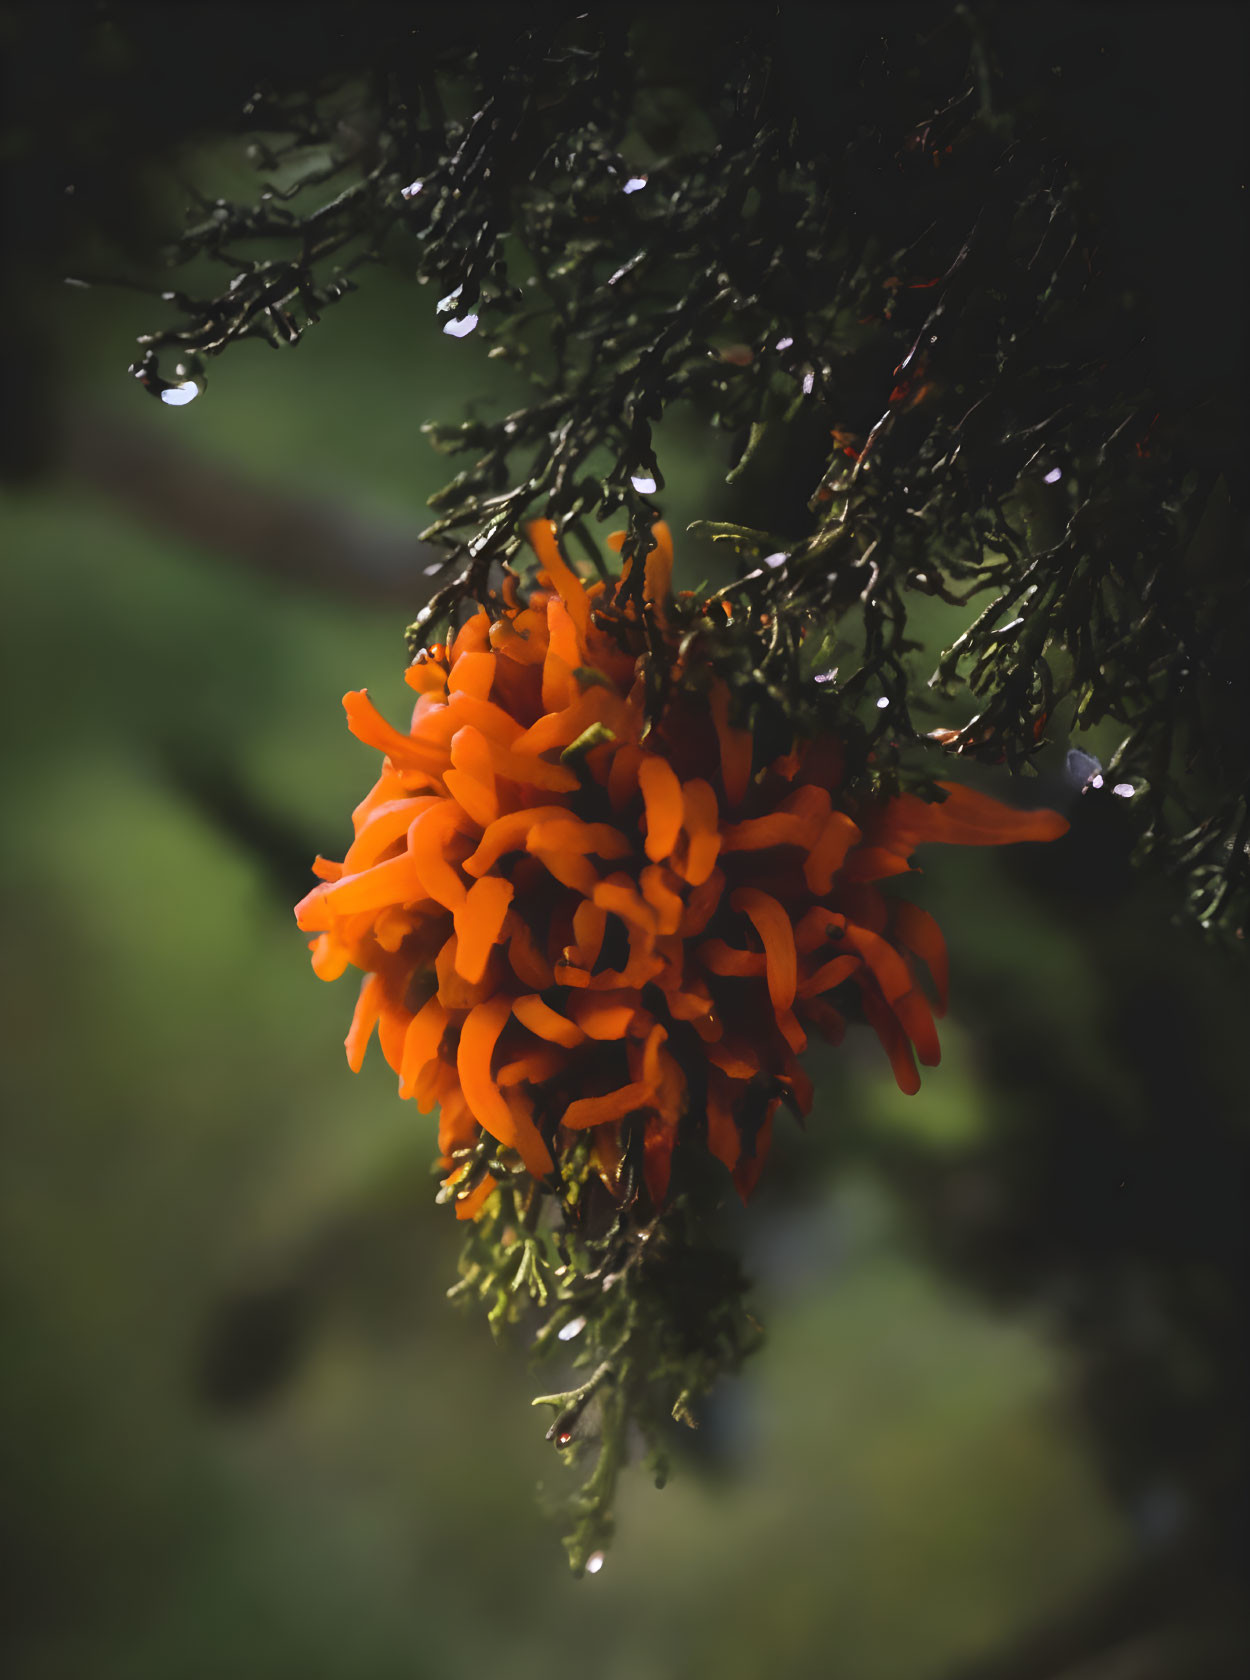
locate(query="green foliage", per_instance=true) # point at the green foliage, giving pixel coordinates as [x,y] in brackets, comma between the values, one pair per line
[895,300]
[649,1306]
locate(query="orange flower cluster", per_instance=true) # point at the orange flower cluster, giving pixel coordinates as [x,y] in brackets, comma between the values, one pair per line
[571,922]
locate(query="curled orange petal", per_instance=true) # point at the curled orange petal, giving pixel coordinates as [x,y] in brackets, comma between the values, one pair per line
[542,536]
[368,725]
[546,1022]
[964,818]
[614,1105]
[472,674]
[828,851]
[701,821]
[508,834]
[777,933]
[479,924]
[735,746]
[471,780]
[427,838]
[421,1043]
[364,1019]
[921,935]
[478,1037]
[603,1015]
[662,797]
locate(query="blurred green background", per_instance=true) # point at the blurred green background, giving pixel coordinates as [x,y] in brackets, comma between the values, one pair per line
[244,1433]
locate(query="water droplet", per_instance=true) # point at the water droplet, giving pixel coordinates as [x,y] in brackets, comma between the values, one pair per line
[461,328]
[643,484]
[635,184]
[1053,476]
[594,1563]
[178,396]
[1084,770]
[574,1327]
[883,703]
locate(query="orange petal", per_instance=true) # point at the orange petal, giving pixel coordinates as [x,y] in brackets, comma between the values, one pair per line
[590,923]
[618,895]
[623,775]
[472,674]
[368,725]
[603,1015]
[964,818]
[777,933]
[828,975]
[658,568]
[916,1019]
[739,1059]
[722,1133]
[919,932]
[778,828]
[329,957]
[562,727]
[884,1022]
[529,963]
[567,833]
[394,882]
[478,1037]
[471,781]
[536,1066]
[364,1019]
[508,834]
[529,771]
[427,837]
[454,991]
[485,715]
[426,677]
[661,792]
[564,656]
[470,1205]
[421,1043]
[891,971]
[472,636]
[828,852]
[615,1105]
[727,960]
[545,1022]
[735,746]
[660,889]
[701,821]
[702,904]
[542,536]
[385,826]
[479,924]
[873,863]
